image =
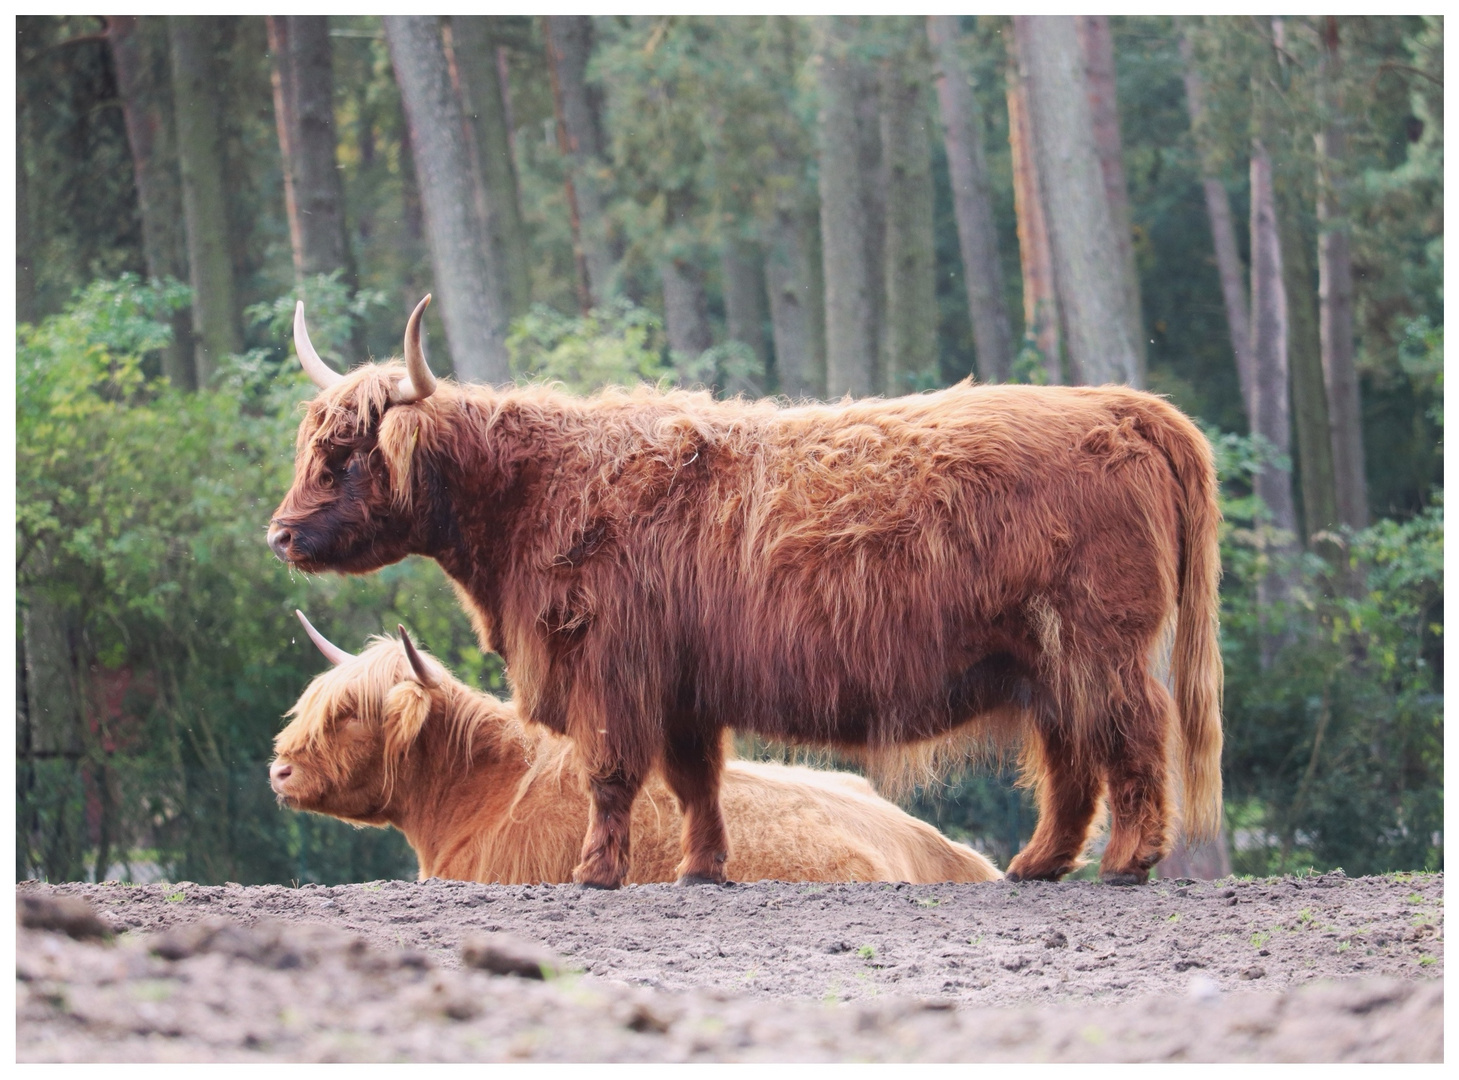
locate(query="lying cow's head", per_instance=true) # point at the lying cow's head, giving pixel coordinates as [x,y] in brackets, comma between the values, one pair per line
[354,727]
[359,501]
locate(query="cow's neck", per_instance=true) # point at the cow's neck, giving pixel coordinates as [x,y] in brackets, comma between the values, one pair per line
[486,531]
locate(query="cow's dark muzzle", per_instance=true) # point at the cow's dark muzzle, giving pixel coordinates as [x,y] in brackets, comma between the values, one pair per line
[280,539]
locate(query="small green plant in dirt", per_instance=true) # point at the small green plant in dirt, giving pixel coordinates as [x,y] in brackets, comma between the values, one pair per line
[1415,898]
[866,952]
[153,989]
[928,901]
[1426,961]
[1344,946]
[1173,917]
[1260,938]
[176,898]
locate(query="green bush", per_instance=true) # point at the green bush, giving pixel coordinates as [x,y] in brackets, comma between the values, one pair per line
[158,643]
[1334,738]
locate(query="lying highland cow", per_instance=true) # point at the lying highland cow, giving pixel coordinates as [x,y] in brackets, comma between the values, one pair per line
[390,738]
[986,563]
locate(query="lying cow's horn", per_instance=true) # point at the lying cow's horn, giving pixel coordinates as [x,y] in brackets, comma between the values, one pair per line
[322,375]
[420,383]
[417,662]
[332,652]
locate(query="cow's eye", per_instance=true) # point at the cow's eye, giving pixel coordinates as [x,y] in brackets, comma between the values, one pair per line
[326,479]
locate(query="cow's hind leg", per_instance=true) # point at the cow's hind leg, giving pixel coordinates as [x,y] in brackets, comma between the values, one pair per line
[611,792]
[1068,784]
[693,761]
[1136,775]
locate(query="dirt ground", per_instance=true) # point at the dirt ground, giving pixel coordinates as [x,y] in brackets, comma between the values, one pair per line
[1291,969]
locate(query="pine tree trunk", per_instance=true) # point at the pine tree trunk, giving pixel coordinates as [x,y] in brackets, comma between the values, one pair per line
[139,56]
[304,112]
[972,203]
[1335,290]
[851,342]
[1273,484]
[742,264]
[1312,438]
[909,271]
[580,139]
[1041,320]
[26,310]
[1099,70]
[204,198]
[797,302]
[1081,226]
[481,96]
[1223,234]
[473,313]
[872,166]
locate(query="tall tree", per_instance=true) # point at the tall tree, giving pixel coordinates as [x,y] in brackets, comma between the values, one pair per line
[1223,228]
[742,266]
[793,270]
[1311,430]
[1041,318]
[873,189]
[972,203]
[1335,288]
[851,341]
[1081,227]
[139,57]
[475,63]
[581,142]
[686,303]
[303,81]
[474,313]
[1099,71]
[909,272]
[1269,338]
[218,331]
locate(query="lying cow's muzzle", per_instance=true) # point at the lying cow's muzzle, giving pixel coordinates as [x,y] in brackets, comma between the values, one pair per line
[278,775]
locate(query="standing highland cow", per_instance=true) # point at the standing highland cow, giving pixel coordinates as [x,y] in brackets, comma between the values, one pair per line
[998,563]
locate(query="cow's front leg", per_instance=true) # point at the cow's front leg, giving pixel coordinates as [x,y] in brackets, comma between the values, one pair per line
[611,793]
[693,761]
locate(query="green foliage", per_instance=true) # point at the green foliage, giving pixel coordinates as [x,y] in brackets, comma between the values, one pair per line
[139,527]
[1334,751]
[618,344]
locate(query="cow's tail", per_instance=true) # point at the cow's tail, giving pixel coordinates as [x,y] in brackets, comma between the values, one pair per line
[1196,658]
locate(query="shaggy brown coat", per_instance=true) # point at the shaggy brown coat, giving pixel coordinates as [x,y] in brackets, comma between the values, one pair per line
[482,797]
[996,563]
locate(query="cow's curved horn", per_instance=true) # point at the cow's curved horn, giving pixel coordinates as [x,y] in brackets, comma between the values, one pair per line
[322,375]
[420,383]
[423,674]
[332,652]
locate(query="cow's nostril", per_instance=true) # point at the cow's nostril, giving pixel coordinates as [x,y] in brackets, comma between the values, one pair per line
[279,539]
[279,772]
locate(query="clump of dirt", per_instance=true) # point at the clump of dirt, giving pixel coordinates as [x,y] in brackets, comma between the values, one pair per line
[1210,971]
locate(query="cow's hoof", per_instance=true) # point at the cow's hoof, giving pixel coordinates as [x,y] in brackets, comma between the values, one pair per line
[1125,878]
[1047,875]
[700,879]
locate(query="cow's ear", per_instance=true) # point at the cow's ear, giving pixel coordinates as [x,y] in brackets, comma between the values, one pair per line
[406,708]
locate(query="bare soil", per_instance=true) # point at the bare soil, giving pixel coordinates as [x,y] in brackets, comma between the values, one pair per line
[1291,969]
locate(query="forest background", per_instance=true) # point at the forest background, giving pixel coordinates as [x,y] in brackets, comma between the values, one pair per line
[1242,213]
